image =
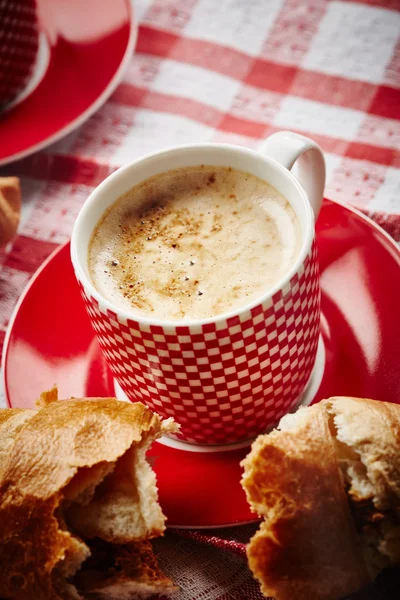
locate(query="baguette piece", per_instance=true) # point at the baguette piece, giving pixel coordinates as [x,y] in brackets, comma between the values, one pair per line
[367,439]
[73,477]
[327,484]
[10,208]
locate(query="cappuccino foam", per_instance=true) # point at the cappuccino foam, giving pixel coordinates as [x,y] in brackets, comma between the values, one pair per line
[193,243]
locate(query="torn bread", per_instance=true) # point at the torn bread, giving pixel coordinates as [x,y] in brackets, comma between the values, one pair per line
[10,208]
[327,484]
[367,440]
[76,495]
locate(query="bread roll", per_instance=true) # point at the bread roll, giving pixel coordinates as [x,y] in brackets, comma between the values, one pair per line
[78,501]
[327,483]
[10,208]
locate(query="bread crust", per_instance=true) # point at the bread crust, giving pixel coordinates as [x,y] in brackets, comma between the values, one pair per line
[367,437]
[10,208]
[11,421]
[46,450]
[307,547]
[372,430]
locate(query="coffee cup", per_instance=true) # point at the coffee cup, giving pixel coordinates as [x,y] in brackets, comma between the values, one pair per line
[224,378]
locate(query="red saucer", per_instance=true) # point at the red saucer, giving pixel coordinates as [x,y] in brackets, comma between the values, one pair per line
[85,46]
[360,278]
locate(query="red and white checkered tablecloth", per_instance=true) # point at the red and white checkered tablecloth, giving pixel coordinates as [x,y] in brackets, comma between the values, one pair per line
[232,71]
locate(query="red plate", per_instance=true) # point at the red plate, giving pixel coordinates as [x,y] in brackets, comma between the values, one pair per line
[84,47]
[360,277]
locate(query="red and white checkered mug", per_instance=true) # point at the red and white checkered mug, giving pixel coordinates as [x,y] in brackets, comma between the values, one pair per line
[19,46]
[228,378]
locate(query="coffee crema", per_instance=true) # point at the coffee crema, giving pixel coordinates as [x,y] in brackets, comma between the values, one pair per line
[193,243]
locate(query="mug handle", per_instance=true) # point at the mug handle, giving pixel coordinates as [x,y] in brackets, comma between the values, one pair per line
[288,148]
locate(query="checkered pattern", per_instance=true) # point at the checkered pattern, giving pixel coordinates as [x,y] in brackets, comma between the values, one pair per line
[334,64]
[222,382]
[19,42]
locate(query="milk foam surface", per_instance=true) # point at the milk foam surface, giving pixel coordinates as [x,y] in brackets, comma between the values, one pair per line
[193,243]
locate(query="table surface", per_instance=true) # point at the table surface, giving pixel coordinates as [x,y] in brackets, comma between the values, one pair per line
[230,71]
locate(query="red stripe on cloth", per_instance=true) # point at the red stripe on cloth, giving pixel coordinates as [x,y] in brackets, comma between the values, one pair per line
[28,253]
[271,76]
[153,41]
[132,96]
[358,150]
[330,89]
[243,127]
[386,103]
[129,95]
[70,169]
[78,170]
[383,156]
[214,57]
[196,52]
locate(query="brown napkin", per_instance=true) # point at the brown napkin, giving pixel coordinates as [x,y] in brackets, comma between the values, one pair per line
[10,208]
